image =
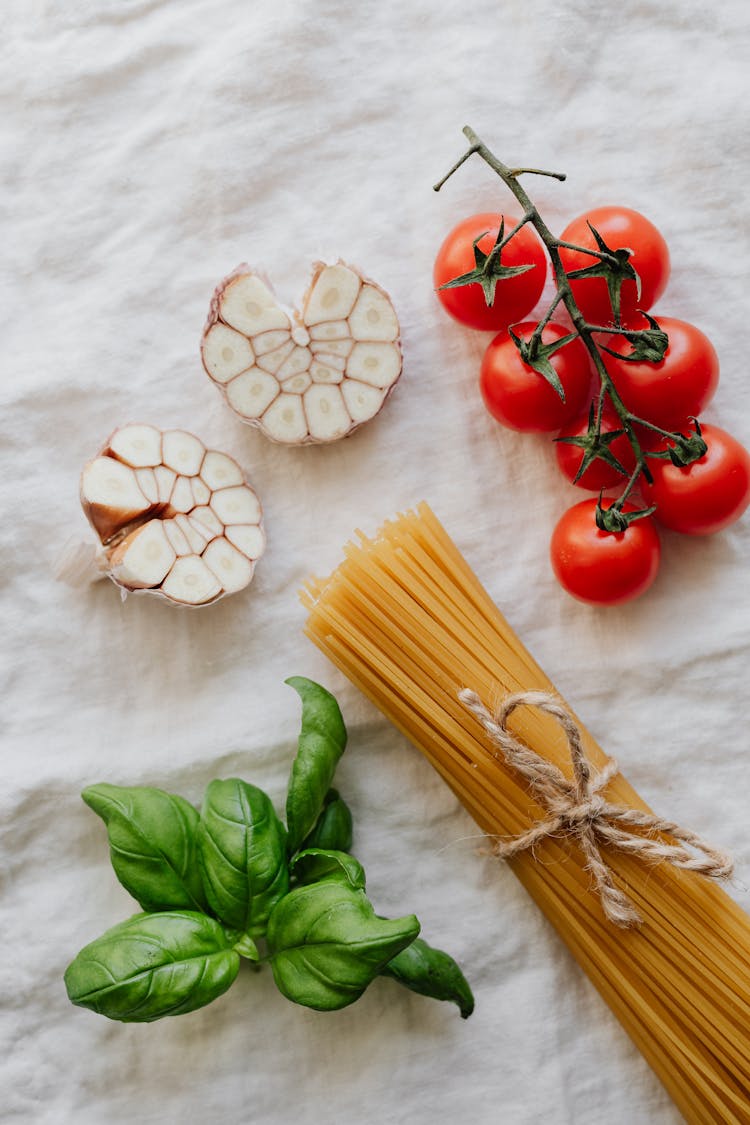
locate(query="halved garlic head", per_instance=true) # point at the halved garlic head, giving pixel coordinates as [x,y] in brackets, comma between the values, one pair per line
[174,518]
[313,376]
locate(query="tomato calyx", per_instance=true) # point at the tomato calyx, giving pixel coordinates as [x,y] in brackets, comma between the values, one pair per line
[686,448]
[615,520]
[488,268]
[648,345]
[595,444]
[613,265]
[537,355]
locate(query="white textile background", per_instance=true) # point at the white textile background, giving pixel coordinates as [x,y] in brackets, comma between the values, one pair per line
[148,147]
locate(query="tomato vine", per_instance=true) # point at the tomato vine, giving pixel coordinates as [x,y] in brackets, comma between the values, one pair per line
[647,345]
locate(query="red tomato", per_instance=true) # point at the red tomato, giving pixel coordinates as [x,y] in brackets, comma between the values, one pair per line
[678,388]
[520,397]
[514,296]
[620,228]
[706,496]
[602,567]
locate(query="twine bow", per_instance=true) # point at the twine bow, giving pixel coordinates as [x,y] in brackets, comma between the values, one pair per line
[577,808]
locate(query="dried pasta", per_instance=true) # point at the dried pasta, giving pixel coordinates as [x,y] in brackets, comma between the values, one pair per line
[406,619]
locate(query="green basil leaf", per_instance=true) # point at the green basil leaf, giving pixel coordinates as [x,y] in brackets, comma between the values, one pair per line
[152,844]
[326,944]
[321,743]
[430,972]
[153,965]
[242,854]
[333,828]
[315,864]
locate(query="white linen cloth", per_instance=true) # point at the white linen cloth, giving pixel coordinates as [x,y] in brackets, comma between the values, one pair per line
[148,148]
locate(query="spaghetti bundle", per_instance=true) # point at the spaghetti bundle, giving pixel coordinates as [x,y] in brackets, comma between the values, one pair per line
[406,619]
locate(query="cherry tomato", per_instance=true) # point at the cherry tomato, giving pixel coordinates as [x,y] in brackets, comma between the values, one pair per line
[602,567]
[520,397]
[514,296]
[706,496]
[620,228]
[678,388]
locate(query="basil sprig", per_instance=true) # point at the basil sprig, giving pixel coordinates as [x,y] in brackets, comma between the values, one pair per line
[233,882]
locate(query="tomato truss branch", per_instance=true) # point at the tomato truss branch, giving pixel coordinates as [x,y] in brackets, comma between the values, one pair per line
[689,446]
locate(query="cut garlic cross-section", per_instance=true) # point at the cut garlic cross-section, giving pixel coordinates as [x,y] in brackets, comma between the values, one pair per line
[173,518]
[309,376]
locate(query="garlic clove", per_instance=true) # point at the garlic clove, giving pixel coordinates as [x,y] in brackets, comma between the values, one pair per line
[183,452]
[248,537]
[332,294]
[329,330]
[326,412]
[177,539]
[191,582]
[372,317]
[322,349]
[248,305]
[285,421]
[231,567]
[323,373]
[181,499]
[362,400]
[201,491]
[219,471]
[225,353]
[111,495]
[147,483]
[144,558]
[165,479]
[136,445]
[270,341]
[297,384]
[236,505]
[251,394]
[377,364]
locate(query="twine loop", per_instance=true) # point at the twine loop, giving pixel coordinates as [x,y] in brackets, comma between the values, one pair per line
[577,807]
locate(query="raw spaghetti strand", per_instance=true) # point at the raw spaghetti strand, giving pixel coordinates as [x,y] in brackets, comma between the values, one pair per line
[407,620]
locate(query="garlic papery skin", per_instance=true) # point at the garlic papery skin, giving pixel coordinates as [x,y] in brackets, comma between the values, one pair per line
[173,518]
[303,377]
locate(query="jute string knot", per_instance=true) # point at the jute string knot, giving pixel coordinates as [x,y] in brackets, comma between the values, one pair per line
[577,807]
